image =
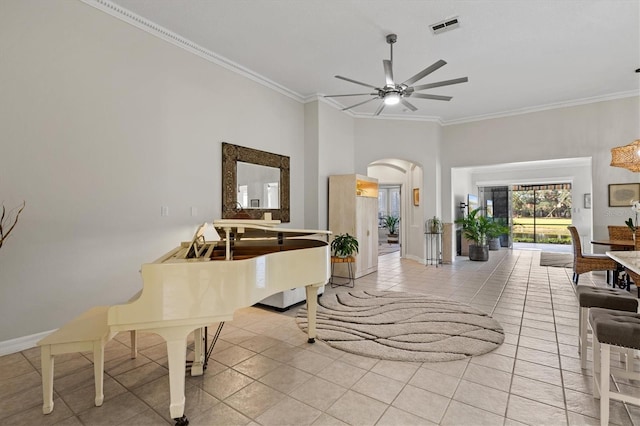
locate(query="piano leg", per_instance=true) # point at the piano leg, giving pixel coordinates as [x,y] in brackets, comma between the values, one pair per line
[98,371]
[312,307]
[47,361]
[134,344]
[176,338]
[197,367]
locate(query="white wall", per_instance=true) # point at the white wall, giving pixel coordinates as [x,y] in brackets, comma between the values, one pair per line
[329,151]
[413,141]
[335,154]
[312,167]
[102,125]
[575,171]
[581,131]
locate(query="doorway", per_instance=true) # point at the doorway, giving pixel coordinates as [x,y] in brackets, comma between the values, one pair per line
[409,178]
[389,214]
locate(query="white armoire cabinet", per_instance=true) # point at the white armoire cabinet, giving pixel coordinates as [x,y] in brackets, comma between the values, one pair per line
[353,209]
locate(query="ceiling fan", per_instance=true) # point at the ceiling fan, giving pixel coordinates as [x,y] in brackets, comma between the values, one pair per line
[392,93]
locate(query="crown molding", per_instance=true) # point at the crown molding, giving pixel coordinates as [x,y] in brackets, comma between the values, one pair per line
[557,105]
[166,35]
[179,41]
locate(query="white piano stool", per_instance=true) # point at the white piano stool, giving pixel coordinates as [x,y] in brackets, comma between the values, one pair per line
[87,332]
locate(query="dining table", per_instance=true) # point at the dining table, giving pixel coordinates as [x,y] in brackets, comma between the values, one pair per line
[626,259]
[627,244]
[620,278]
[630,259]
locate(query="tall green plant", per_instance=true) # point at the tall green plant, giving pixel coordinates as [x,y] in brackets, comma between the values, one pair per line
[497,228]
[475,227]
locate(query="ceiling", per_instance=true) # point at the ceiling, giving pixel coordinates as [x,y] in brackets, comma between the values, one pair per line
[519,55]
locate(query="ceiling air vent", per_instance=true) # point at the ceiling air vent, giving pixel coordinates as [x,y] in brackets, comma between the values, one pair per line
[446,25]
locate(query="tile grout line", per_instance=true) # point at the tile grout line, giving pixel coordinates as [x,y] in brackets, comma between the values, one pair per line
[515,355]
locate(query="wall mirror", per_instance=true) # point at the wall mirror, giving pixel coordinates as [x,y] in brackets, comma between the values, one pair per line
[254,182]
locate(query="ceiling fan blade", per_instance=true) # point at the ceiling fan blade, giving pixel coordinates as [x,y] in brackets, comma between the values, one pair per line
[425,72]
[361,103]
[380,108]
[441,83]
[388,72]
[408,105]
[433,97]
[350,94]
[356,82]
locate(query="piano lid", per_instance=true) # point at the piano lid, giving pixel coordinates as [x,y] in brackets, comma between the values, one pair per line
[251,228]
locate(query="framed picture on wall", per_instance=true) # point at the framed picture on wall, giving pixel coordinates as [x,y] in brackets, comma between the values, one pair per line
[623,194]
[587,201]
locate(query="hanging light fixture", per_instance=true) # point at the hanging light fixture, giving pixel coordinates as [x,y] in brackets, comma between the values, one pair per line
[392,98]
[627,156]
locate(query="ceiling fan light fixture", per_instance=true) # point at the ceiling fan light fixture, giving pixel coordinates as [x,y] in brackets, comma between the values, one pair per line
[393,93]
[392,98]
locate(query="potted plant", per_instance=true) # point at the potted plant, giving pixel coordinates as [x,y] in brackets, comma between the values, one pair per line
[391,223]
[474,228]
[344,245]
[496,229]
[434,225]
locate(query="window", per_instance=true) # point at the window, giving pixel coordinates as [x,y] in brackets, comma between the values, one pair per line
[388,202]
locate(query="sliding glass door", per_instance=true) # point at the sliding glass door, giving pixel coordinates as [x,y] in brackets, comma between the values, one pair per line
[541,213]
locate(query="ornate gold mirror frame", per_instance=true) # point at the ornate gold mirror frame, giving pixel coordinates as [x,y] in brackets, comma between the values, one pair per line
[231,154]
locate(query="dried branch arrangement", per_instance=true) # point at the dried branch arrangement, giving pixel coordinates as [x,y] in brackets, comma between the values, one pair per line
[8,221]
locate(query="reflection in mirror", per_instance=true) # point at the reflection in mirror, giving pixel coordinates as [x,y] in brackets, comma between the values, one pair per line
[258,186]
[254,183]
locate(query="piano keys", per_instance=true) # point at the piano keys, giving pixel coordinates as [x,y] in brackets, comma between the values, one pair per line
[201,282]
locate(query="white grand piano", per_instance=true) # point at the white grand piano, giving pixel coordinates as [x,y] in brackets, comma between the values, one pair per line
[200,283]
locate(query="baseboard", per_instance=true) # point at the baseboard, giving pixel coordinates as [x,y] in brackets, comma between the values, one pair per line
[21,343]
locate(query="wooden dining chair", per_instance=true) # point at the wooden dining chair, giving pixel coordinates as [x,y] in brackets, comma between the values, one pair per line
[588,262]
[617,232]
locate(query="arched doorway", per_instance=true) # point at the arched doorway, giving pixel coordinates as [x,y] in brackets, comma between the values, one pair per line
[402,176]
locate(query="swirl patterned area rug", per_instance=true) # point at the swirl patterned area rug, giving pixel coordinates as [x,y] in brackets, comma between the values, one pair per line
[403,326]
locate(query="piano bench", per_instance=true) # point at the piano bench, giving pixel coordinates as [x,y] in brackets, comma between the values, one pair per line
[88,332]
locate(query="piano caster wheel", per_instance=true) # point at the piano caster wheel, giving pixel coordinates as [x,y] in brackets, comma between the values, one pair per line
[311,340]
[181,421]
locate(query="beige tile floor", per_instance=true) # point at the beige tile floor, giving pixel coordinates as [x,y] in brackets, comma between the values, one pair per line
[263,372]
